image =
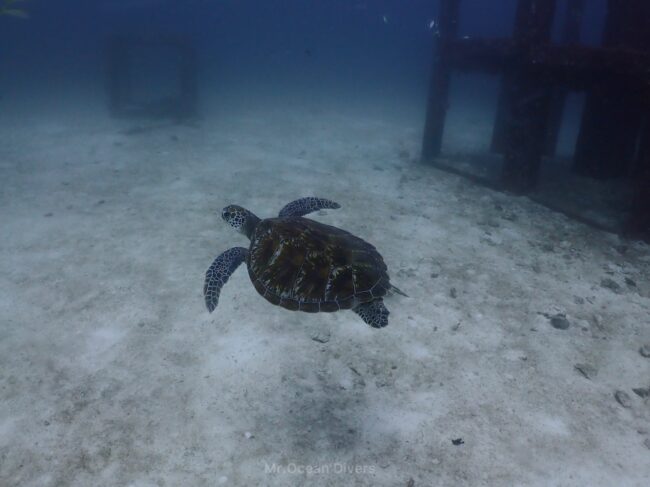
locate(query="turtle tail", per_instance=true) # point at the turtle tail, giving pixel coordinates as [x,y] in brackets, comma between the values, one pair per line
[396,290]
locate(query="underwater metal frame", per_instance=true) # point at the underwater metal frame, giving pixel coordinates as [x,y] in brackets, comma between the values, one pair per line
[536,75]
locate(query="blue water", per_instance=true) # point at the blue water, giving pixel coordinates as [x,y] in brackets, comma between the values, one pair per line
[361,46]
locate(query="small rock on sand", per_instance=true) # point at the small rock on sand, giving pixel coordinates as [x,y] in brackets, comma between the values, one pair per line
[560,322]
[611,284]
[645,350]
[630,282]
[623,398]
[321,336]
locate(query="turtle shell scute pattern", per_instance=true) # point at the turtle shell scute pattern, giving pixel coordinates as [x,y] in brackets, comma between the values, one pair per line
[304,265]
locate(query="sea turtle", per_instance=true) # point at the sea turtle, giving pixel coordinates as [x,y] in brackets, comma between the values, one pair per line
[304,265]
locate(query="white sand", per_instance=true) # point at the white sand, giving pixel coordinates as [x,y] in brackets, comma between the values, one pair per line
[113,373]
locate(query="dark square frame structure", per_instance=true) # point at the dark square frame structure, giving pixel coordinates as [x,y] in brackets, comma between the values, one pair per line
[536,75]
[122,102]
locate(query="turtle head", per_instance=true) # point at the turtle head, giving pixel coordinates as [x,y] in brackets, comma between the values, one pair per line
[240,219]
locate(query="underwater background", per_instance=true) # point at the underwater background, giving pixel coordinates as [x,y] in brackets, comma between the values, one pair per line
[519,356]
[355,51]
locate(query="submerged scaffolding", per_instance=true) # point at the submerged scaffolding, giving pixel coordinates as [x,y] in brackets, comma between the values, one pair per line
[536,75]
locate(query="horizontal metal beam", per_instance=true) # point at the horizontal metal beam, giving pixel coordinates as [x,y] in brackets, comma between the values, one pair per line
[579,67]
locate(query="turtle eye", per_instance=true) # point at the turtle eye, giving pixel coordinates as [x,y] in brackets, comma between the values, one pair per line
[226,214]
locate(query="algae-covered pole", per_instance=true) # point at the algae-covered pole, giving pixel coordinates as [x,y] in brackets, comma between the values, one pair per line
[571,31]
[638,223]
[526,98]
[611,122]
[570,37]
[438,100]
[533,22]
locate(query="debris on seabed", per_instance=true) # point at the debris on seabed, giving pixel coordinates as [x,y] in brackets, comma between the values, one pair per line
[586,370]
[645,350]
[560,322]
[623,398]
[321,337]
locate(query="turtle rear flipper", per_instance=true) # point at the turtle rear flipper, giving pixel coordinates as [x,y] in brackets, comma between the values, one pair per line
[219,273]
[304,206]
[373,312]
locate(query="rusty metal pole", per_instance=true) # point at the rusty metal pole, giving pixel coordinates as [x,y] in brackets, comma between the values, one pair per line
[570,37]
[611,121]
[526,99]
[438,101]
[638,222]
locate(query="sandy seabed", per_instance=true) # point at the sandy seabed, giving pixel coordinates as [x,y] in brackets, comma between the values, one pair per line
[112,372]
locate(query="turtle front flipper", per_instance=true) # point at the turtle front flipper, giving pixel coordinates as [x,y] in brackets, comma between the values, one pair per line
[373,312]
[219,273]
[303,206]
